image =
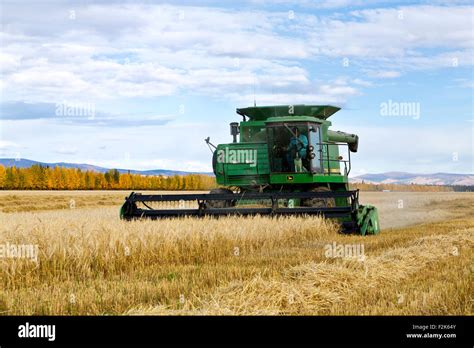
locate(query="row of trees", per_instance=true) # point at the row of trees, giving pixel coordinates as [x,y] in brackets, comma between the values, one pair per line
[39,177]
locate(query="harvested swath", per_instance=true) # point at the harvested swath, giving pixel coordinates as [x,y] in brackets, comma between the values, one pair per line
[314,288]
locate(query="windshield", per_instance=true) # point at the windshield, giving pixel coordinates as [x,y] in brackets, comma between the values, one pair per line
[253,134]
[288,144]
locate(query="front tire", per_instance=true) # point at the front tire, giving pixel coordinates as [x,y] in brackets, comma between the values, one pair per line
[319,202]
[220,203]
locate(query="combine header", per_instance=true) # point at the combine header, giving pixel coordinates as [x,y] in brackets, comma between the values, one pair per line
[285,162]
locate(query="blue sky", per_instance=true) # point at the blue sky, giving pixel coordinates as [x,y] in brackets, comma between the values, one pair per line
[146,82]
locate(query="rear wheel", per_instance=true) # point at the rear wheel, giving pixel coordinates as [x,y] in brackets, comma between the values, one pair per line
[220,203]
[319,202]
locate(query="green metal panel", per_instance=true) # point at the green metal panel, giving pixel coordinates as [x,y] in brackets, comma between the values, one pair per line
[351,139]
[305,178]
[242,164]
[368,220]
[342,137]
[330,160]
[295,119]
[264,112]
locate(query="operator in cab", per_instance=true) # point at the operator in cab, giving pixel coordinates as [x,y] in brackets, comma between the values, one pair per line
[297,149]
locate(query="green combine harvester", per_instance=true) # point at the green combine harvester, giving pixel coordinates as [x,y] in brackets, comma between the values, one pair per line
[283,160]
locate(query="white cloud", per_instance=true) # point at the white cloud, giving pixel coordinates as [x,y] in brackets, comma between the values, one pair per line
[413,148]
[4,144]
[127,147]
[363,83]
[136,50]
[333,92]
[464,83]
[385,74]
[146,51]
[67,150]
[392,32]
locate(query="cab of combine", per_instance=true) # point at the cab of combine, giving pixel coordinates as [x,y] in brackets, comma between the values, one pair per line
[285,147]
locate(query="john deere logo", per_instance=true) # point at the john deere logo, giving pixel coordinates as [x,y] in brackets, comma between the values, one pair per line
[289,178]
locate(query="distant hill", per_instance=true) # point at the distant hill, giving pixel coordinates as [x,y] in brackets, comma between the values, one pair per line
[418,179]
[26,163]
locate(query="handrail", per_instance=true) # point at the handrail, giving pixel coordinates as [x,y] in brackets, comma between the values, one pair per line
[326,158]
